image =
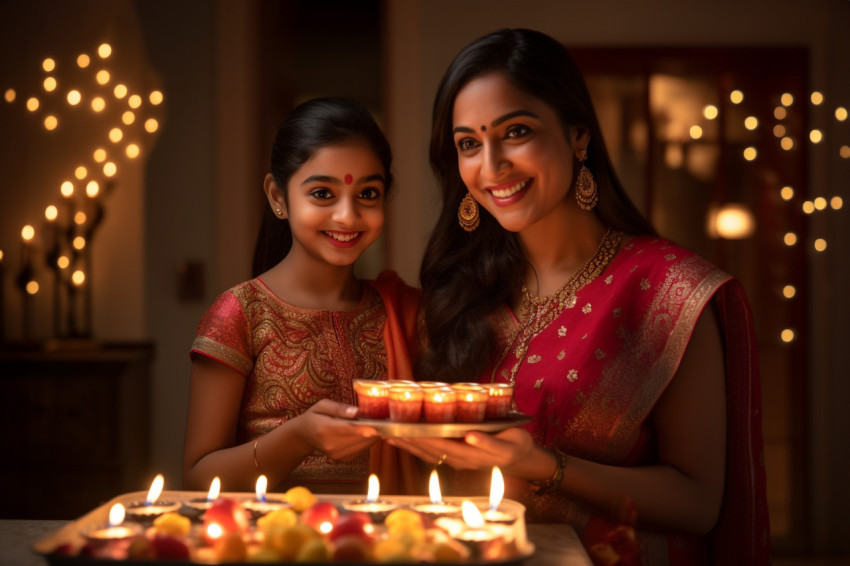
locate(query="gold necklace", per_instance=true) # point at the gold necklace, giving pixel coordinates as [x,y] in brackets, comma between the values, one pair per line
[538,312]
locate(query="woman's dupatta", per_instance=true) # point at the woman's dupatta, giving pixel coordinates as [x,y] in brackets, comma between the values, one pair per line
[399,472]
[742,534]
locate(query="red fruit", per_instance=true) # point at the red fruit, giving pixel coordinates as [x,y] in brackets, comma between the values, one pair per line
[351,548]
[356,523]
[229,514]
[320,513]
[166,546]
[141,548]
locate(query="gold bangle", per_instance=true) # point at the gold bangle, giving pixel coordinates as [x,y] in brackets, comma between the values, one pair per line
[552,484]
[256,464]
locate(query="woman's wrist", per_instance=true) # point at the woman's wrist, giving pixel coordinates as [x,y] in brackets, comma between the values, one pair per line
[553,482]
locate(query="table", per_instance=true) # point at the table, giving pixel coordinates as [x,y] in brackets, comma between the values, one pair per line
[557,545]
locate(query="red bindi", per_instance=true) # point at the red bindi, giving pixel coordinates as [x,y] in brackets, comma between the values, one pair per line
[348,179]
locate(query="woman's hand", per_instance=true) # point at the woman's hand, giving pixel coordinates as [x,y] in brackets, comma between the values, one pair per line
[511,449]
[320,429]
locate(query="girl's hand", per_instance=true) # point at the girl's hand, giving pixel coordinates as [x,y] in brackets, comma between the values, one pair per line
[508,449]
[321,429]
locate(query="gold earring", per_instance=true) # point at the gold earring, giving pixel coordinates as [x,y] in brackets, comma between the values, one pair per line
[467,214]
[587,194]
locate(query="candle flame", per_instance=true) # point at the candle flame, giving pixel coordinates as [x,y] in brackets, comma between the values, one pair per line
[116,515]
[434,488]
[471,515]
[215,489]
[214,531]
[262,484]
[497,488]
[374,489]
[155,490]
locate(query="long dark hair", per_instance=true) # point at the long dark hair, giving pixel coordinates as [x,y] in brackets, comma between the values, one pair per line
[312,125]
[466,276]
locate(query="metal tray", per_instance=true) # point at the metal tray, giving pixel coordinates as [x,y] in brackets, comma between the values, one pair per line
[422,429]
[71,533]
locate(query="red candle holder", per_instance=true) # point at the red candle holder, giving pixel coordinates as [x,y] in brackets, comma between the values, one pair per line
[471,402]
[439,404]
[406,403]
[500,396]
[372,398]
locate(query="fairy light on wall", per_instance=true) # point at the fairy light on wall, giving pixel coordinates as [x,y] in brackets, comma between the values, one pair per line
[89,83]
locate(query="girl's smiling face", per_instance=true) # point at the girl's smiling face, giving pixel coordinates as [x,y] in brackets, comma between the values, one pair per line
[336,203]
[512,153]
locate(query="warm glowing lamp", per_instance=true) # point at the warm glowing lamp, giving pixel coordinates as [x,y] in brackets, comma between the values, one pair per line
[732,222]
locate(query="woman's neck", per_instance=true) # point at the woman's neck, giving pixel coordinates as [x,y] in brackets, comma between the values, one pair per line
[306,282]
[559,246]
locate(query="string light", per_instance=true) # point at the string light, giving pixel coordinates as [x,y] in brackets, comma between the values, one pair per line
[816,136]
[820,245]
[115,135]
[156,98]
[840,113]
[844,151]
[817,98]
[67,189]
[779,130]
[696,132]
[49,84]
[98,104]
[836,203]
[789,291]
[83,60]
[132,151]
[128,117]
[786,99]
[787,143]
[74,97]
[790,239]
[780,113]
[92,188]
[99,155]
[134,101]
[80,172]
[736,97]
[78,278]
[786,192]
[32,287]
[788,335]
[820,203]
[750,153]
[63,262]
[79,243]
[808,207]
[10,95]
[751,123]
[102,77]
[48,65]
[50,122]
[104,50]
[32,104]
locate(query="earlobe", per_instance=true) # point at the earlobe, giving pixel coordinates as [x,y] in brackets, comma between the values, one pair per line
[274,196]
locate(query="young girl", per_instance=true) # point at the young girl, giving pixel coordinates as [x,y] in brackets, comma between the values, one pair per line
[274,358]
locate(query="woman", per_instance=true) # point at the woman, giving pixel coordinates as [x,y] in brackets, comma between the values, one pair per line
[634,357]
[275,357]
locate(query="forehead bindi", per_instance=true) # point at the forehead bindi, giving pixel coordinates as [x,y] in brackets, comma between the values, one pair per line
[348,179]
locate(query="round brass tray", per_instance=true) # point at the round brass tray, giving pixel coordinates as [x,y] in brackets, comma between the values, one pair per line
[422,429]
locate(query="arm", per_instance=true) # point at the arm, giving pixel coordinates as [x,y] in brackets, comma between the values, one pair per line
[215,400]
[682,492]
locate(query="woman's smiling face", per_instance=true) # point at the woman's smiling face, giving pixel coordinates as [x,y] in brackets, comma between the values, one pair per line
[512,153]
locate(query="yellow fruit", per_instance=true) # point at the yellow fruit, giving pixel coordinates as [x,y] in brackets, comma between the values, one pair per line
[390,550]
[278,517]
[287,541]
[404,520]
[263,555]
[173,524]
[445,552]
[231,548]
[314,550]
[300,498]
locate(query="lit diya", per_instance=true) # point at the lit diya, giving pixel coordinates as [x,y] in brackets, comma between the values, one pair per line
[115,530]
[437,507]
[151,507]
[263,504]
[202,504]
[373,398]
[486,542]
[497,492]
[372,506]
[471,402]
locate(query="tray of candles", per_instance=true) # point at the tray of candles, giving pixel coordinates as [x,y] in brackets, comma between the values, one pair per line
[435,409]
[295,527]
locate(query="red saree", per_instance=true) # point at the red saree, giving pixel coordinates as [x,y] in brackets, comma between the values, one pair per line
[292,358]
[591,378]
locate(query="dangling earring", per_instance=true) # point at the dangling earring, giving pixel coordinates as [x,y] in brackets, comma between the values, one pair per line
[467,213]
[587,194]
